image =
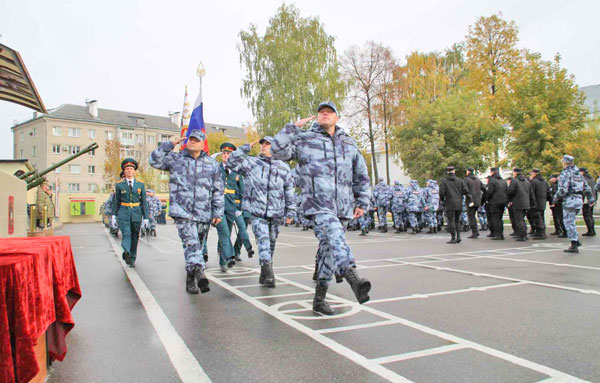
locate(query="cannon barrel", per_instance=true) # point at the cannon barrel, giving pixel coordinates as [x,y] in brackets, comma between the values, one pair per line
[35,178]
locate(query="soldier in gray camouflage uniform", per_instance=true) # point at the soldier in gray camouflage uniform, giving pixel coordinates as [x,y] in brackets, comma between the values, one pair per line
[572,187]
[398,206]
[335,189]
[383,200]
[154,207]
[268,196]
[431,196]
[196,199]
[415,204]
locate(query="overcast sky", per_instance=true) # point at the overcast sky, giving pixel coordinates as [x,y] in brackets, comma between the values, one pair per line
[138,56]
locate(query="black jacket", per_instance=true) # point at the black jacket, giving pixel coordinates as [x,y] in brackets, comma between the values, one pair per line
[452,189]
[520,194]
[496,190]
[476,188]
[592,184]
[539,188]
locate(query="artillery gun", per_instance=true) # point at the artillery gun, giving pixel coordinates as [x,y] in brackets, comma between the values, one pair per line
[35,178]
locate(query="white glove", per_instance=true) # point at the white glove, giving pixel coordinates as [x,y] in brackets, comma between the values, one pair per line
[238,213]
[113,220]
[472,204]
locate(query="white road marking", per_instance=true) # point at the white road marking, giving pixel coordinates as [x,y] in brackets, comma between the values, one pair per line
[184,362]
[450,292]
[329,343]
[356,327]
[419,354]
[280,295]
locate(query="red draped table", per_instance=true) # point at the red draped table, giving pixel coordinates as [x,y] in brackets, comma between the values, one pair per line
[38,289]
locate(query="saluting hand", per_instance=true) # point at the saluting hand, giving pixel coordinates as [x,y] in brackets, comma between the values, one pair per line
[254,142]
[303,121]
[176,141]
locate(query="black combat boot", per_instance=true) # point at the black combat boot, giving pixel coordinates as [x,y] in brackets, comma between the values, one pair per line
[574,248]
[430,231]
[413,230]
[201,279]
[385,229]
[457,236]
[363,231]
[269,276]
[397,230]
[474,236]
[360,286]
[264,269]
[319,303]
[562,235]
[190,283]
[339,278]
[316,273]
[237,258]
[453,240]
[250,253]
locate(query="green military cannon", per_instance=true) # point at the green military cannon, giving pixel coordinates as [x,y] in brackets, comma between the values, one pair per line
[35,178]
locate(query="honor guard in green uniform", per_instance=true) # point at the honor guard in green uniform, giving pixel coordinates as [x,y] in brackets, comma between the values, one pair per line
[129,208]
[234,190]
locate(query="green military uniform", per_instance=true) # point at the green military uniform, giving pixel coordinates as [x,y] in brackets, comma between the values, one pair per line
[130,207]
[44,200]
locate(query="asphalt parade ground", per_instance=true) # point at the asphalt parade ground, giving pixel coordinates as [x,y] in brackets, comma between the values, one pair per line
[478,311]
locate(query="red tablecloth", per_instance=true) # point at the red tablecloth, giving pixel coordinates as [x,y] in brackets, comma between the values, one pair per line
[38,289]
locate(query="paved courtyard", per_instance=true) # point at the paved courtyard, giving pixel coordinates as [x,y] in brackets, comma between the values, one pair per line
[479,311]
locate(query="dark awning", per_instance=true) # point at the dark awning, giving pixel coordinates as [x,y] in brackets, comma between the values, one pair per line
[15,83]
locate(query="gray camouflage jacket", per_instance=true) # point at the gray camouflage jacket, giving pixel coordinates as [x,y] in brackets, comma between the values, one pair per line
[383,194]
[333,173]
[195,185]
[268,184]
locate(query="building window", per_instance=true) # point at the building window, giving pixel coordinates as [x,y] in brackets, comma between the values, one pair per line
[92,152]
[164,138]
[91,169]
[138,154]
[56,131]
[57,170]
[34,133]
[378,159]
[109,135]
[139,138]
[56,149]
[73,188]
[92,188]
[33,150]
[127,135]
[22,136]
[150,139]
[91,134]
[74,149]
[74,169]
[21,154]
[74,132]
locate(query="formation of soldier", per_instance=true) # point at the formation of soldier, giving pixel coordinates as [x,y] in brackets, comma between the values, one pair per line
[331,174]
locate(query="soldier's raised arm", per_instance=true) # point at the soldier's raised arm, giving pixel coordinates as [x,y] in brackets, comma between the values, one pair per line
[239,161]
[282,147]
[160,157]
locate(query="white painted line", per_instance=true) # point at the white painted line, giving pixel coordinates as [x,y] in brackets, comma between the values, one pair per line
[184,362]
[440,293]
[457,340]
[356,327]
[256,285]
[331,344]
[419,354]
[546,263]
[281,295]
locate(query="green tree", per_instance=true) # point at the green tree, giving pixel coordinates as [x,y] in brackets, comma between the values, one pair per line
[289,70]
[454,130]
[112,163]
[546,111]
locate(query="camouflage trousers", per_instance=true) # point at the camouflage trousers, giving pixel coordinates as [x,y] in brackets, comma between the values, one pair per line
[193,235]
[398,217]
[265,232]
[152,221]
[364,221]
[334,255]
[569,216]
[482,217]
[413,220]
[430,218]
[382,215]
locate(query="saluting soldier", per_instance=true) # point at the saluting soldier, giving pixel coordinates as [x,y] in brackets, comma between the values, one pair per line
[129,208]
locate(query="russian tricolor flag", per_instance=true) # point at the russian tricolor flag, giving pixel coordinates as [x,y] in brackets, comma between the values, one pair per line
[197,119]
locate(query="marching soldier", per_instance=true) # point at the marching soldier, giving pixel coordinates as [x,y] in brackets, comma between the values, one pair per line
[588,211]
[383,199]
[196,199]
[572,187]
[234,190]
[269,198]
[452,190]
[557,209]
[129,208]
[333,171]
[521,199]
